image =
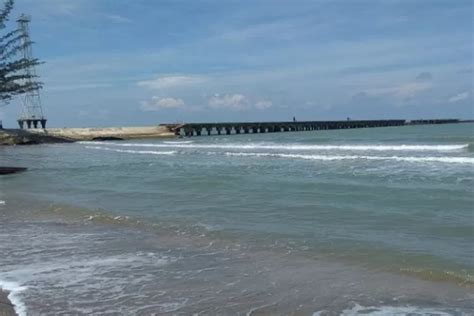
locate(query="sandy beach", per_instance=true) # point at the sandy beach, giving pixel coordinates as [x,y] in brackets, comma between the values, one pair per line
[65,135]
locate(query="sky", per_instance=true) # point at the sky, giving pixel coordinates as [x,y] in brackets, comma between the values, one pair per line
[144,62]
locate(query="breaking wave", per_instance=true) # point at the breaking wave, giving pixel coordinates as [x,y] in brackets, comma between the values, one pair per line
[394,310]
[149,152]
[460,160]
[14,290]
[179,142]
[454,160]
[401,147]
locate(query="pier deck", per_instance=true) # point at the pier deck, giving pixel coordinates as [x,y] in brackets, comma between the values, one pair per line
[198,129]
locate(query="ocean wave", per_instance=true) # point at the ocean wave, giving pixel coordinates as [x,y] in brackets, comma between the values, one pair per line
[14,290]
[179,142]
[455,160]
[143,152]
[460,160]
[401,147]
[392,310]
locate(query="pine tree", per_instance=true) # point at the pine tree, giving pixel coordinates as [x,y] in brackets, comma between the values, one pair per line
[14,80]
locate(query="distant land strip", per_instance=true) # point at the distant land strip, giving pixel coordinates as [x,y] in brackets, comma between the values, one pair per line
[67,135]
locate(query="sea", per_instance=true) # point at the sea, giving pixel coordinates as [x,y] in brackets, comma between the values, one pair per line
[375,221]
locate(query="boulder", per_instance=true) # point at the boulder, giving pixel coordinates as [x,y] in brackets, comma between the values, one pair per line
[10,170]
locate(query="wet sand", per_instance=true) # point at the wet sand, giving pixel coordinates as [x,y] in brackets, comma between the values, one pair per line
[6,307]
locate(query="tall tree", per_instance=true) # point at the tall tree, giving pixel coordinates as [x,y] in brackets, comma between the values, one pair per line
[14,79]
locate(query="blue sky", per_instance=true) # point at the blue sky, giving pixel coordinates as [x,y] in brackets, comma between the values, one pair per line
[142,62]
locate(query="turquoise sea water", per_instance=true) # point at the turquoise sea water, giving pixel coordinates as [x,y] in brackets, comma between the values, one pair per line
[392,202]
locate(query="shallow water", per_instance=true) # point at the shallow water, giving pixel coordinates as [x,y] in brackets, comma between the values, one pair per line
[330,222]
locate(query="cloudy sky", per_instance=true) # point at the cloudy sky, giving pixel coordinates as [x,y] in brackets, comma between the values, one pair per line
[140,62]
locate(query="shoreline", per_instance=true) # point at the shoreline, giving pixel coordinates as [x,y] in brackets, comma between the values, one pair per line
[70,135]
[138,234]
[390,291]
[6,306]
[209,257]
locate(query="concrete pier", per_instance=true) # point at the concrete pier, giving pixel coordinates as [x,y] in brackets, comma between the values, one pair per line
[198,129]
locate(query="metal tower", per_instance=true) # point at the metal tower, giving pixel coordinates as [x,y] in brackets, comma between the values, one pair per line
[32,112]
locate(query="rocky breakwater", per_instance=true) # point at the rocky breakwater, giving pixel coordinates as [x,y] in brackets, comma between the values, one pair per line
[66,135]
[26,137]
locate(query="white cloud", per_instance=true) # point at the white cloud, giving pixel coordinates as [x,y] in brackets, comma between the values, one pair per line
[237,102]
[170,82]
[403,91]
[229,101]
[263,104]
[459,97]
[411,89]
[157,103]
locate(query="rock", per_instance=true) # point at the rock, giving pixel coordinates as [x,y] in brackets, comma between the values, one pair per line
[10,170]
[24,137]
[6,307]
[104,138]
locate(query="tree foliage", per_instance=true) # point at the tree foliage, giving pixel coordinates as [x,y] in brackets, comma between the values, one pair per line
[14,79]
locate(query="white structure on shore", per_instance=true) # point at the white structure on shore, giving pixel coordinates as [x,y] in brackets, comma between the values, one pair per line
[32,111]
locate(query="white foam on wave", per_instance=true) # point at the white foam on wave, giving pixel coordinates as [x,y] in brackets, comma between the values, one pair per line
[359,310]
[85,274]
[459,160]
[400,147]
[178,142]
[143,152]
[14,290]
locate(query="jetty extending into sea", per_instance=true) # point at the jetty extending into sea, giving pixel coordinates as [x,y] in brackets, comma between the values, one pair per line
[198,129]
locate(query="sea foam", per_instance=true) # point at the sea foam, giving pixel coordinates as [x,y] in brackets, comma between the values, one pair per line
[149,152]
[459,160]
[14,290]
[392,310]
[400,147]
